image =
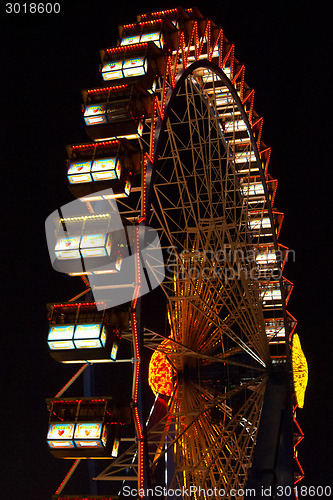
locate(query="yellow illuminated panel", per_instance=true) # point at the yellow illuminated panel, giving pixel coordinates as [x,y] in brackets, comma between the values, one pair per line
[87,331]
[67,243]
[112,75]
[79,167]
[118,170]
[271,293]
[127,188]
[278,332]
[129,40]
[112,70]
[264,223]
[104,435]
[275,328]
[300,370]
[119,262]
[245,156]
[95,114]
[114,351]
[93,252]
[93,110]
[103,336]
[87,431]
[152,37]
[253,189]
[95,120]
[237,125]
[61,444]
[93,245]
[108,244]
[88,444]
[133,63]
[61,344]
[135,71]
[60,431]
[77,179]
[266,257]
[61,332]
[104,176]
[115,448]
[110,271]
[105,164]
[87,344]
[91,198]
[70,254]
[112,66]
[135,67]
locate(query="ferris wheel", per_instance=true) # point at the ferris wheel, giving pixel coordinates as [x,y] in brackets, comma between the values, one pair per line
[176,137]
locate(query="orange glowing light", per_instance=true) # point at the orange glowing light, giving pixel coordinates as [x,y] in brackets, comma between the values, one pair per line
[161,373]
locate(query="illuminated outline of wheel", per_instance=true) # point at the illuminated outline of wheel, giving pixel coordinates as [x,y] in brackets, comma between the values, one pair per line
[210,193]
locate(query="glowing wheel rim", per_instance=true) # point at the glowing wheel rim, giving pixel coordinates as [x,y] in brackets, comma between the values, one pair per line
[211,315]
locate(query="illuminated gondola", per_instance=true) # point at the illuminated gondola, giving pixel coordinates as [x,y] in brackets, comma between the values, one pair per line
[116,112]
[85,427]
[79,333]
[104,165]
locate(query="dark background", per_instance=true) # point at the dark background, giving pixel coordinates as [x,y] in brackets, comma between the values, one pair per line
[45,62]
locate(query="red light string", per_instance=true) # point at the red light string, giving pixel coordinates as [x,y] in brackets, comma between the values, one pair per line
[72,380]
[125,48]
[68,476]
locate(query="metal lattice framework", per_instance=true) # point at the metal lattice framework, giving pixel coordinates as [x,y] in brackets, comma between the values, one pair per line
[204,185]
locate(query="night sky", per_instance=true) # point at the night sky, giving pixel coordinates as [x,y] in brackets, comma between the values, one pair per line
[45,62]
